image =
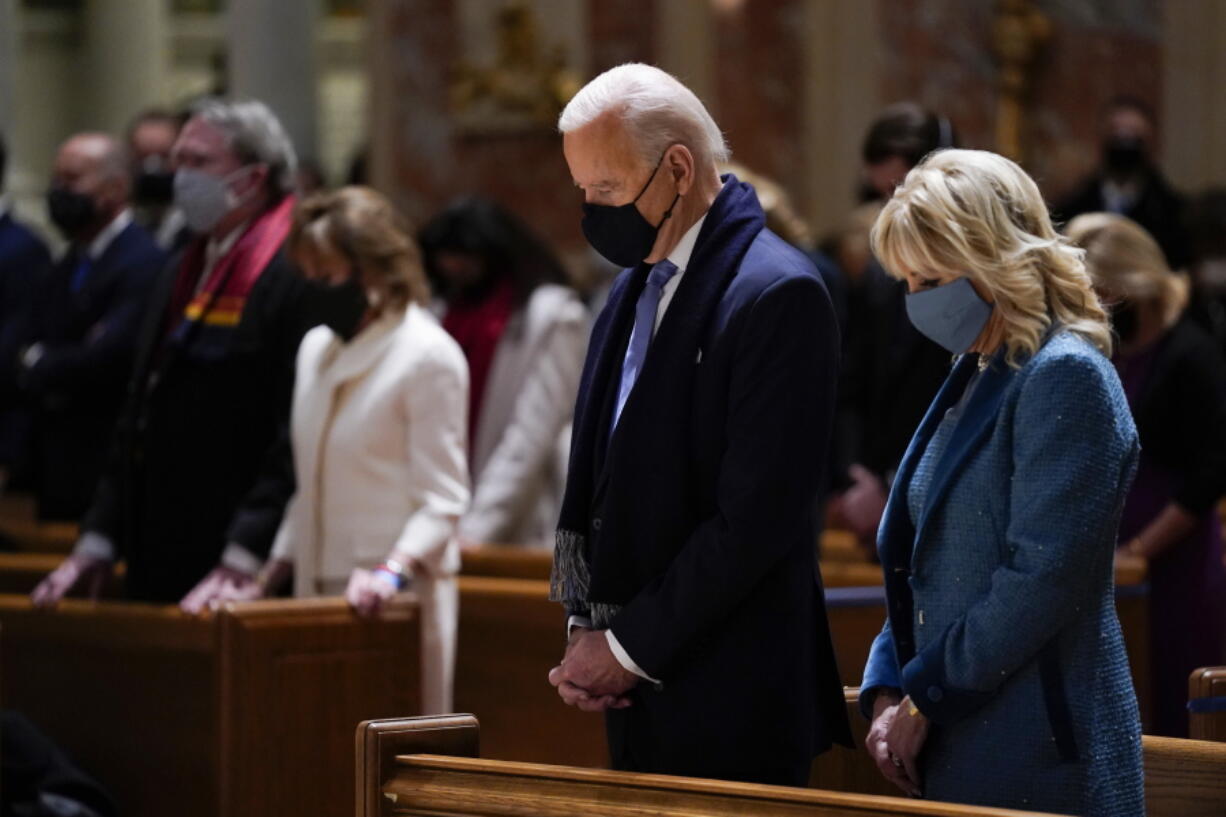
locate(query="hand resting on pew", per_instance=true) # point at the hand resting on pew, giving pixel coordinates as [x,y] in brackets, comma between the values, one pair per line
[590,676]
[78,573]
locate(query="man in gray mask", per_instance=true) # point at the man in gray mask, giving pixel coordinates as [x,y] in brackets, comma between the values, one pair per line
[199,475]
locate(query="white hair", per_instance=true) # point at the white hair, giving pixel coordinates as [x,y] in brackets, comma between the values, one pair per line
[656,109]
[255,135]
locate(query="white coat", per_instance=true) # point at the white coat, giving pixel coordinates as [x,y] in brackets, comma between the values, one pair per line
[522,438]
[379,429]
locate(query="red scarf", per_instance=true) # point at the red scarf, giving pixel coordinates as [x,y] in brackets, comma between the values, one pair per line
[478,327]
[220,302]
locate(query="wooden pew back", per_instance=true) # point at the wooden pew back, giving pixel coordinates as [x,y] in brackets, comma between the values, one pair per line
[1207,704]
[248,711]
[427,766]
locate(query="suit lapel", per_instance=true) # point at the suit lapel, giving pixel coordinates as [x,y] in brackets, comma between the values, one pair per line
[973,426]
[897,535]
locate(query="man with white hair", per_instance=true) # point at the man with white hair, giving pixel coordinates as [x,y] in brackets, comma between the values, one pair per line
[685,553]
[193,493]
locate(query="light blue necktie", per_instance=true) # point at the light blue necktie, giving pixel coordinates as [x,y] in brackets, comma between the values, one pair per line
[644,326]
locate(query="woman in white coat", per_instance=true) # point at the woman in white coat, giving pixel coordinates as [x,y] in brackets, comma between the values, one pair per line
[502,295]
[379,427]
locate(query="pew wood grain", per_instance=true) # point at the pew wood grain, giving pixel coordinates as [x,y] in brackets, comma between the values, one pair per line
[1207,685]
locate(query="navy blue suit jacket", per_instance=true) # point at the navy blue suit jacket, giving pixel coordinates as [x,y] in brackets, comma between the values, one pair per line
[24,261]
[80,381]
[701,524]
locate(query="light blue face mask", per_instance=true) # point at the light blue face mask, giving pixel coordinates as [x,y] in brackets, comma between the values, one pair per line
[952,314]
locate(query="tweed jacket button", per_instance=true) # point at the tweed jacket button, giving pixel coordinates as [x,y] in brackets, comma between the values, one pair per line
[596,523]
[935,694]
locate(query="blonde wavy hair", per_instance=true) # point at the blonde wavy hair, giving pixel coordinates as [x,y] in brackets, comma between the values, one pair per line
[977,213]
[1126,262]
[364,227]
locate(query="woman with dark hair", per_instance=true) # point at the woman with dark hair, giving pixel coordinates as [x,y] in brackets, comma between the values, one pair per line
[502,297]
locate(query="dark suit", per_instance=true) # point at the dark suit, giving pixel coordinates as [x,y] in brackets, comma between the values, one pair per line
[88,337]
[24,261]
[697,517]
[1159,209]
[201,458]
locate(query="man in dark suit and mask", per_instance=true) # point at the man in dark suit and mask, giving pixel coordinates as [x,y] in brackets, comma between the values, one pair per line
[1129,182]
[82,333]
[685,554]
[200,474]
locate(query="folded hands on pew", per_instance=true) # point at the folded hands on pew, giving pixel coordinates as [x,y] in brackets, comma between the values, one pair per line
[895,739]
[590,677]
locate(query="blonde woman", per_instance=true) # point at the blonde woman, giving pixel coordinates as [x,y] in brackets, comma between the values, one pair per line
[1000,677]
[378,429]
[1175,380]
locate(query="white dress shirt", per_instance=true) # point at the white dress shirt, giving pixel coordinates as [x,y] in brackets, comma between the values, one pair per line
[680,257]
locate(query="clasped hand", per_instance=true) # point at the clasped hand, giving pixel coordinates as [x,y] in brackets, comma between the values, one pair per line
[895,740]
[590,676]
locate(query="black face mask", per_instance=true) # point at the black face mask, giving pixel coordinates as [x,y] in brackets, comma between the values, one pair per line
[1124,321]
[341,307]
[155,187]
[1124,156]
[620,233]
[71,212]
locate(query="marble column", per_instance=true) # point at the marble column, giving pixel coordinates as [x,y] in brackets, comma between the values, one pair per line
[1193,123]
[841,93]
[8,65]
[126,48]
[272,59]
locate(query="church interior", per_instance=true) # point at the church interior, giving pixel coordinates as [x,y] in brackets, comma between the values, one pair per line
[243,669]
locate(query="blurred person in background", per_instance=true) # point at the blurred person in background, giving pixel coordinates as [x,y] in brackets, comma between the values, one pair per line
[199,475]
[890,370]
[151,136]
[24,261]
[503,296]
[1175,380]
[379,428]
[1207,232]
[82,331]
[1129,182]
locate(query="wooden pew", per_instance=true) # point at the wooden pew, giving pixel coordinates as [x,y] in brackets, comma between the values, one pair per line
[1207,704]
[249,711]
[427,766]
[20,527]
[510,635]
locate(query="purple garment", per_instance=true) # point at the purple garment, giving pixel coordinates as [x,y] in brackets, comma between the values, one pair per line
[1187,582]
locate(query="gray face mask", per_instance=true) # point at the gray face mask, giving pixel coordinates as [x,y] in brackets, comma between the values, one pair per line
[204,198]
[951,315]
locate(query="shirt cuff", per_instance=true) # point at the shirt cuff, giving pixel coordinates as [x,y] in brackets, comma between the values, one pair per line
[577,621]
[237,557]
[32,355]
[625,660]
[94,545]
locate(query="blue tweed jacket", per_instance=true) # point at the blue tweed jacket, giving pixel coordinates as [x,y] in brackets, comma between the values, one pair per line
[1001,621]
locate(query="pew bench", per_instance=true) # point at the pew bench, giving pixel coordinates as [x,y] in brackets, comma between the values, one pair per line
[1207,704]
[429,766]
[21,529]
[246,711]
